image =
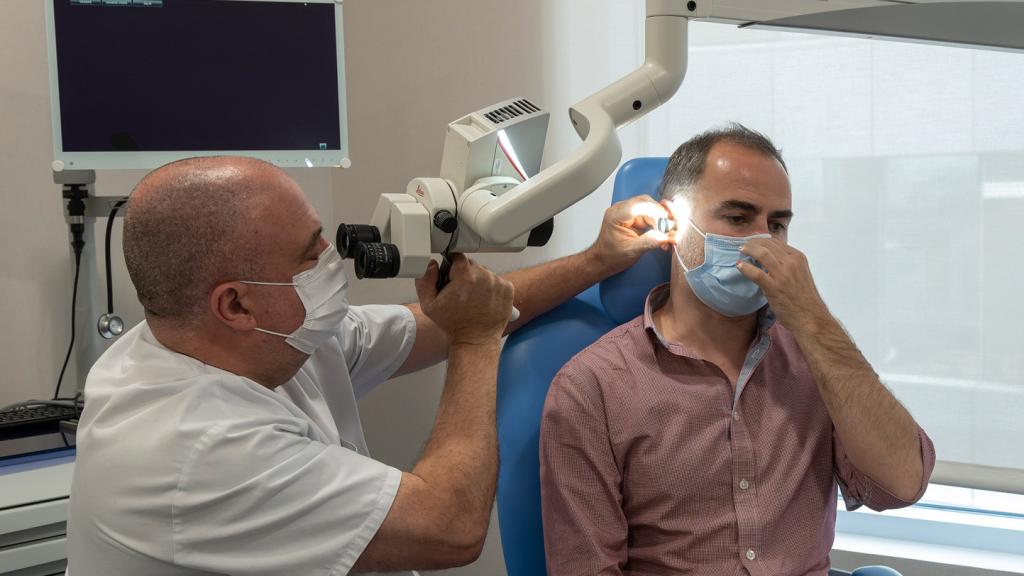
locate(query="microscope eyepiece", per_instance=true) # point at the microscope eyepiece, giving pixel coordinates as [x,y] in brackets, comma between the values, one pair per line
[373,258]
[377,260]
[352,235]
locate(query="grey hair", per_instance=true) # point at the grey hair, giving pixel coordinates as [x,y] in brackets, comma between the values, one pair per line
[686,166]
[188,227]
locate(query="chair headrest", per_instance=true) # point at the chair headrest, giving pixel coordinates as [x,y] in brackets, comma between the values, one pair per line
[623,295]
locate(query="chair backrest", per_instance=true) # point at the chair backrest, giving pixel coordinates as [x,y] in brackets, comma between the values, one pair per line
[536,352]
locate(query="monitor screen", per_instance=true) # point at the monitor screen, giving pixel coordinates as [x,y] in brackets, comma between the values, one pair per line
[138,83]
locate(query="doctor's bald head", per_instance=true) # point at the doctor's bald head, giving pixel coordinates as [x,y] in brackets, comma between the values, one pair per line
[197,222]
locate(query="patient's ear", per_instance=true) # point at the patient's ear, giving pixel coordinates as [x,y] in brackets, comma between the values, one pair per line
[679,207]
[667,206]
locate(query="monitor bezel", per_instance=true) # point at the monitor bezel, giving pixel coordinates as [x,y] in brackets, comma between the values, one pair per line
[111,160]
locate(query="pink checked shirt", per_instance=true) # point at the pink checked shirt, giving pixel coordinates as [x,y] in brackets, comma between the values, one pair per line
[651,464]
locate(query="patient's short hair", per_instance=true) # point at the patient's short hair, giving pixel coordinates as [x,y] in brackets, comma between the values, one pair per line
[686,166]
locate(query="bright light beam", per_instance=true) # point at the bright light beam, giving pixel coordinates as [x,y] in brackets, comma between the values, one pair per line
[681,212]
[651,210]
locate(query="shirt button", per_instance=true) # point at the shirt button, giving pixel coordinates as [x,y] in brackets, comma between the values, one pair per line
[743,486]
[735,415]
[751,555]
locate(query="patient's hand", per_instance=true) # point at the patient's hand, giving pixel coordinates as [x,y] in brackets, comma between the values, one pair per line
[628,231]
[785,278]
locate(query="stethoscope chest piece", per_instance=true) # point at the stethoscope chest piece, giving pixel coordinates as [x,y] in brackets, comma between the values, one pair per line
[110,326]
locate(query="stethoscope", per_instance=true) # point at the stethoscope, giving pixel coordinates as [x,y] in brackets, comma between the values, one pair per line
[110,325]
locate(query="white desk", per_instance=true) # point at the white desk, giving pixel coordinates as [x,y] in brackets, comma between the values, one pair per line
[34,494]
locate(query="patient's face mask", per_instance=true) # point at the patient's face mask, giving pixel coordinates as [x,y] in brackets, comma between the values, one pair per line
[322,292]
[718,282]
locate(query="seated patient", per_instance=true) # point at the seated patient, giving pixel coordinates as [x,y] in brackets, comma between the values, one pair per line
[708,435]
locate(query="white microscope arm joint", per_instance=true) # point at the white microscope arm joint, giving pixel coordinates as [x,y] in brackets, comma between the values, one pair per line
[501,219]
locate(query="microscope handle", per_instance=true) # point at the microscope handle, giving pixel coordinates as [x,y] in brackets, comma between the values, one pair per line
[443,279]
[443,273]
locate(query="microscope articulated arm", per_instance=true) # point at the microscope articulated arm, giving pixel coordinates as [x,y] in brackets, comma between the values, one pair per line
[501,219]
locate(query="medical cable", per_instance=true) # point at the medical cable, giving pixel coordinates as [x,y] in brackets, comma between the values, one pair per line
[74,303]
[444,271]
[76,218]
[75,402]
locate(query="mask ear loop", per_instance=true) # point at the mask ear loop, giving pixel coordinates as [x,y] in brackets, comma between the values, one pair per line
[675,250]
[675,245]
[266,283]
[265,331]
[255,283]
[702,233]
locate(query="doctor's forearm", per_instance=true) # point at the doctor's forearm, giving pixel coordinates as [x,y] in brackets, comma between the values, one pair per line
[461,458]
[879,435]
[538,289]
[460,461]
[545,286]
[440,515]
[462,450]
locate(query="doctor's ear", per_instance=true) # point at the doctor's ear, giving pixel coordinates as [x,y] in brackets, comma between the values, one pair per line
[230,304]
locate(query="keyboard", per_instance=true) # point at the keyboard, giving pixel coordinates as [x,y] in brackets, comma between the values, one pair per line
[32,420]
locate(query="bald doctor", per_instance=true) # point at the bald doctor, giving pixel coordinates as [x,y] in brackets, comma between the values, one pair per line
[221,435]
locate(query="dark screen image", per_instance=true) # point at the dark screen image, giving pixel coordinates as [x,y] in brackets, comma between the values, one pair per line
[197,75]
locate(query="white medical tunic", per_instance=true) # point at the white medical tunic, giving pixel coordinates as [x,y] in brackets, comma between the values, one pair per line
[186,469]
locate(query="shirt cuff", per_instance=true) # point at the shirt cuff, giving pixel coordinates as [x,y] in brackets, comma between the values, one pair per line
[876,497]
[385,498]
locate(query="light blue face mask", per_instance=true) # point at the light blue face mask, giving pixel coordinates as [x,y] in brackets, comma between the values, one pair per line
[718,282]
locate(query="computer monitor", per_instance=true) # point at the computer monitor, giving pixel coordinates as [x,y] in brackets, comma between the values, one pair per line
[139,83]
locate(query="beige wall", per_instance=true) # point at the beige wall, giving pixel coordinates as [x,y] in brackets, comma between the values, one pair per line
[35,276]
[35,259]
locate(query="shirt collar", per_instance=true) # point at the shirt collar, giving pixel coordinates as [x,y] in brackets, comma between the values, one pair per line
[659,296]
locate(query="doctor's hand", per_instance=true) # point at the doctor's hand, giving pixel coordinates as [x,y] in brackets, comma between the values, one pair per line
[787,283]
[473,308]
[628,231]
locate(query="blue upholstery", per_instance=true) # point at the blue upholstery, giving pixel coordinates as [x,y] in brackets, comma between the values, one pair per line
[536,352]
[623,295]
[530,360]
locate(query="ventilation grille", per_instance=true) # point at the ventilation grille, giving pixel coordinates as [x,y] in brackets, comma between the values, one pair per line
[511,111]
